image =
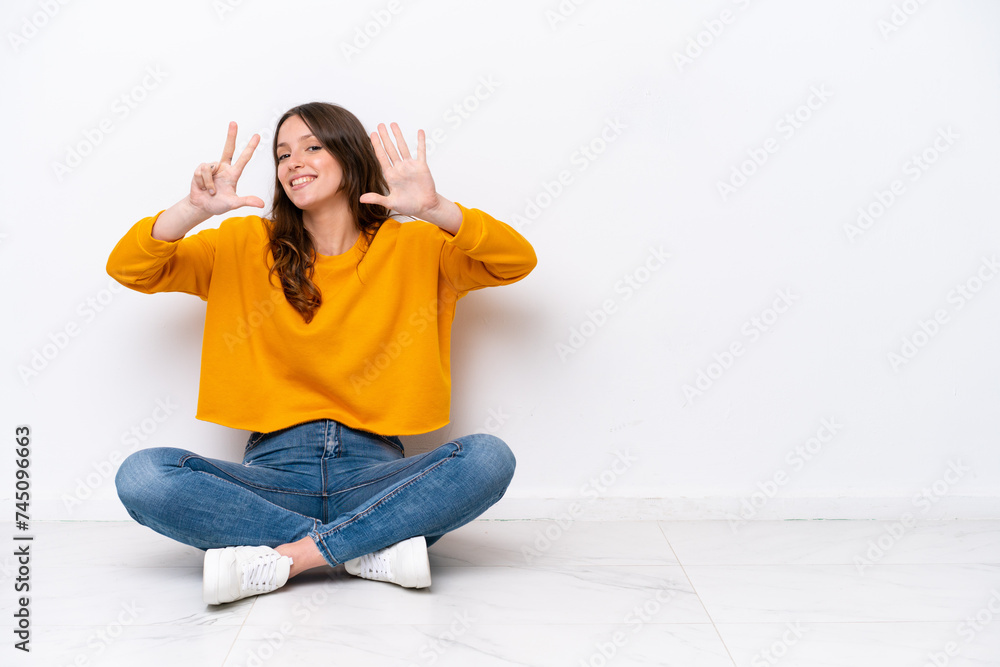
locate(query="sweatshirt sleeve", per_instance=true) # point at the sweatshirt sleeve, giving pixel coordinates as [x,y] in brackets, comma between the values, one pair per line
[484,252]
[150,265]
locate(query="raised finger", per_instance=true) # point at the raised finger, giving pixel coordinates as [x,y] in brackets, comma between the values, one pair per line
[230,148]
[421,146]
[390,148]
[383,160]
[404,150]
[246,154]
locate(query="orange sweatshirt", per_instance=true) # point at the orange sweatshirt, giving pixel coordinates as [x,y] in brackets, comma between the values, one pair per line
[376,355]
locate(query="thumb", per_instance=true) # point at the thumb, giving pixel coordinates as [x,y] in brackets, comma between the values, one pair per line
[374,198]
[256,202]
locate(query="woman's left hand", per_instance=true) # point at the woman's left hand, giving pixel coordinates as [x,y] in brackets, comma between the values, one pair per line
[411,187]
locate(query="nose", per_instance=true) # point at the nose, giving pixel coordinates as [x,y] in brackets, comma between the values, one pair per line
[293,161]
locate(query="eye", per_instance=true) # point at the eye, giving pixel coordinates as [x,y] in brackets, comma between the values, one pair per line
[319,148]
[282,156]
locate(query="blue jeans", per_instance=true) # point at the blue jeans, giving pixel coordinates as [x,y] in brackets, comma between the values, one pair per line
[349,490]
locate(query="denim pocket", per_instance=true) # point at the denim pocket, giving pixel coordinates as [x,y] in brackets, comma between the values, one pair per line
[391,440]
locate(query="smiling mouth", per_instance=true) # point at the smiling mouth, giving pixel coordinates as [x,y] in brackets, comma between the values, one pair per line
[302,181]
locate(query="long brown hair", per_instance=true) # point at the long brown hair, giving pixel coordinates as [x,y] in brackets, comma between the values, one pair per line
[341,133]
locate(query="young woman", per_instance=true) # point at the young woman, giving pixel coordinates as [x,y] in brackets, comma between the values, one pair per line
[327,336]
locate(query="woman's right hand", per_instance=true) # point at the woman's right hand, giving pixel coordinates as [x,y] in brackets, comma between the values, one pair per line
[213,188]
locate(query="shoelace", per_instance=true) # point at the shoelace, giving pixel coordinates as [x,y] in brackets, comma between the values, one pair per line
[259,573]
[375,564]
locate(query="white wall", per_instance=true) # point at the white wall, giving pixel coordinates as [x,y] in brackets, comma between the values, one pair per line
[675,130]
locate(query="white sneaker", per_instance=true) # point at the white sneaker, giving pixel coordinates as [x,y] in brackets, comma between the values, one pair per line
[404,563]
[234,573]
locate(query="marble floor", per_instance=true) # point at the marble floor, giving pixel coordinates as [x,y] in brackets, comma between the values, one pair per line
[691,593]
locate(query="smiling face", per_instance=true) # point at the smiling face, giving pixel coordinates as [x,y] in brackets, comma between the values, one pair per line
[308,172]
